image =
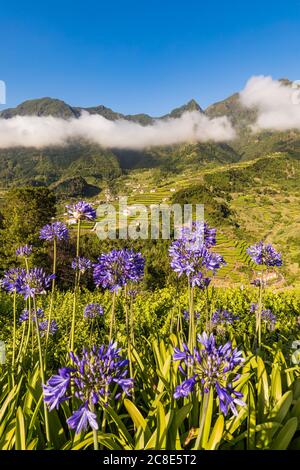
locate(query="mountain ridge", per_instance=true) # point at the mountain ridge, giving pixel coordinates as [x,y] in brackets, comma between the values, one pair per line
[48,106]
[48,165]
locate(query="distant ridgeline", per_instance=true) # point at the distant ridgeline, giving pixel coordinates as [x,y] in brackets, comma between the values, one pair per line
[54,164]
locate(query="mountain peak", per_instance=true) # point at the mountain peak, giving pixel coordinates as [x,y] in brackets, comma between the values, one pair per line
[41,107]
[191,105]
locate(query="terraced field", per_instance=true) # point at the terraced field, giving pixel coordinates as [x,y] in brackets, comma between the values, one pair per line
[270,213]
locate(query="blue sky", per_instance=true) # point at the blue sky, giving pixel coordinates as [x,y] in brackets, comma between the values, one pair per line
[144,56]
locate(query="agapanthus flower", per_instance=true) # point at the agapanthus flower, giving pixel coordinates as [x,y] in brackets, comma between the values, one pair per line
[269,318]
[43,327]
[82,264]
[199,233]
[39,313]
[223,316]
[133,293]
[93,311]
[93,375]
[195,260]
[82,418]
[117,268]
[24,251]
[33,283]
[10,280]
[186,315]
[266,315]
[55,231]
[213,367]
[81,211]
[264,254]
[258,282]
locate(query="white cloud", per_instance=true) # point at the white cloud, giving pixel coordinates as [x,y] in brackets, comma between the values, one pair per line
[277,104]
[31,131]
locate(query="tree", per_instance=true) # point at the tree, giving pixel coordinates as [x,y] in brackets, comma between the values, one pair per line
[24,213]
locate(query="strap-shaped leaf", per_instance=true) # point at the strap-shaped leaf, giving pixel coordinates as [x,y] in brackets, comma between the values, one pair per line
[20,430]
[280,410]
[284,437]
[216,434]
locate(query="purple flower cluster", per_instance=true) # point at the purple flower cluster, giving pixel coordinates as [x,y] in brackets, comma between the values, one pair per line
[186,315]
[28,284]
[10,280]
[43,327]
[269,317]
[192,257]
[200,233]
[39,313]
[266,315]
[118,267]
[264,254]
[93,376]
[133,293]
[24,251]
[258,282]
[54,231]
[82,264]
[253,307]
[34,282]
[93,311]
[81,211]
[223,316]
[212,367]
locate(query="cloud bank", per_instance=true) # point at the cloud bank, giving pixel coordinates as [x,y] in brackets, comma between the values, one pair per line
[31,131]
[277,103]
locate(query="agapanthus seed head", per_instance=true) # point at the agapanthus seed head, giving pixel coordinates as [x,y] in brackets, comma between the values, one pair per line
[212,367]
[81,210]
[264,254]
[117,268]
[54,231]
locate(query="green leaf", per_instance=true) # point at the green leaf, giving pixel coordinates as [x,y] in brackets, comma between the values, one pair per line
[282,441]
[143,432]
[108,440]
[280,410]
[161,438]
[208,418]
[251,421]
[179,416]
[121,426]
[265,432]
[216,435]
[262,389]
[276,387]
[20,430]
